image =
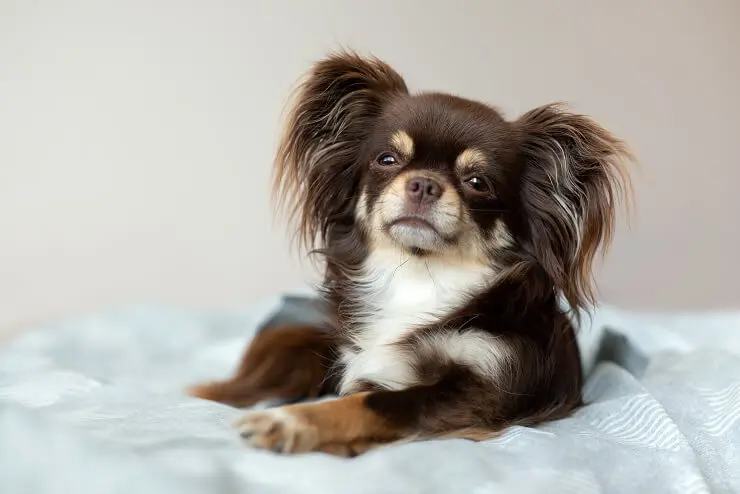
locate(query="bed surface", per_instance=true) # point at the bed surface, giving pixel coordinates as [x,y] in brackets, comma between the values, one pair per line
[95,405]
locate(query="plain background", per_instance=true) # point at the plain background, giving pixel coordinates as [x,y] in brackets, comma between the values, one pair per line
[136,138]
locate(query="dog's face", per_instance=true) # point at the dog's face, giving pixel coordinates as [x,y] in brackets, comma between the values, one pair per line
[433,166]
[366,166]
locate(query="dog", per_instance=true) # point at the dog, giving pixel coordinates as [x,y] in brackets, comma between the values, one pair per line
[458,250]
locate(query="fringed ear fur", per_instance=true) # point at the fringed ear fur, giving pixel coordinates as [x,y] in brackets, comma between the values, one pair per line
[317,170]
[573,182]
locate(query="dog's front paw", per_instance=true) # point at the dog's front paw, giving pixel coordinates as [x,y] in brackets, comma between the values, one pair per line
[280,429]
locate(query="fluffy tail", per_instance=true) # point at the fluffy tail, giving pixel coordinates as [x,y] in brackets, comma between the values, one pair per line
[280,363]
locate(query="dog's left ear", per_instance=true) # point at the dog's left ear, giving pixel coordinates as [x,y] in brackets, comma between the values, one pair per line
[573,181]
[316,168]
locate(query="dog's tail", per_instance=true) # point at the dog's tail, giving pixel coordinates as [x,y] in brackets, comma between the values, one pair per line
[281,363]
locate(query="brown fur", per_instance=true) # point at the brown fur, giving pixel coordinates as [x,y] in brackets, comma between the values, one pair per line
[309,426]
[556,142]
[344,91]
[530,213]
[286,362]
[352,424]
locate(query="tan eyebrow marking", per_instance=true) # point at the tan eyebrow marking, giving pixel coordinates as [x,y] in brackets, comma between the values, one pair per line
[469,158]
[403,143]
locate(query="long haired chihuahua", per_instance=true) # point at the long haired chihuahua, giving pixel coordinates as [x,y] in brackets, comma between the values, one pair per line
[456,245]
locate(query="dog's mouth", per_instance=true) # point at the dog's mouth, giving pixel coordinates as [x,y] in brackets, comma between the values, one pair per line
[413,222]
[417,234]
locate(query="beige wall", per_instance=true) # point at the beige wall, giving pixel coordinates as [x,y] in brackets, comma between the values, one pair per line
[136,140]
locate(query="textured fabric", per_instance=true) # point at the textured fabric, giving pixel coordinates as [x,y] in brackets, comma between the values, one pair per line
[95,405]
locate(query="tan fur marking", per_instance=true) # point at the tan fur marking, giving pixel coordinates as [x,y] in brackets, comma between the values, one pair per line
[468,159]
[343,419]
[343,426]
[403,144]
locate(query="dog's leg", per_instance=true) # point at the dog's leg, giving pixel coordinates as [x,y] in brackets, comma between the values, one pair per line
[355,423]
[282,363]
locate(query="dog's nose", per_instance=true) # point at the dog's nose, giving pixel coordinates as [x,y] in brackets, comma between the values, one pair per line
[423,190]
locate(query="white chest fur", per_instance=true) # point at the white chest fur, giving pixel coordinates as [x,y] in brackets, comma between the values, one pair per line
[400,294]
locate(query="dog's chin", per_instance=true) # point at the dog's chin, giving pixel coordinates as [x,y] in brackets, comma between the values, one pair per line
[417,235]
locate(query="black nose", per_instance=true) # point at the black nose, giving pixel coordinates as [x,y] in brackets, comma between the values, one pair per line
[423,190]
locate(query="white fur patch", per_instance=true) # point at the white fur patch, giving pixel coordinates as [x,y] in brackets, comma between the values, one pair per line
[400,293]
[483,353]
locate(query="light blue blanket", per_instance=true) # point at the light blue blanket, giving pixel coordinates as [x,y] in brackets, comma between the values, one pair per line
[95,405]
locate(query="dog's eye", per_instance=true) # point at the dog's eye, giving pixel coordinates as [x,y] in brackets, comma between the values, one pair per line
[478,184]
[387,159]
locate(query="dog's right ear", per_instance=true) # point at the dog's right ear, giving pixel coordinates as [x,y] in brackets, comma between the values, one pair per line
[316,169]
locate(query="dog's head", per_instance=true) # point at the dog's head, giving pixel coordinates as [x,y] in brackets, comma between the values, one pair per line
[367,165]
